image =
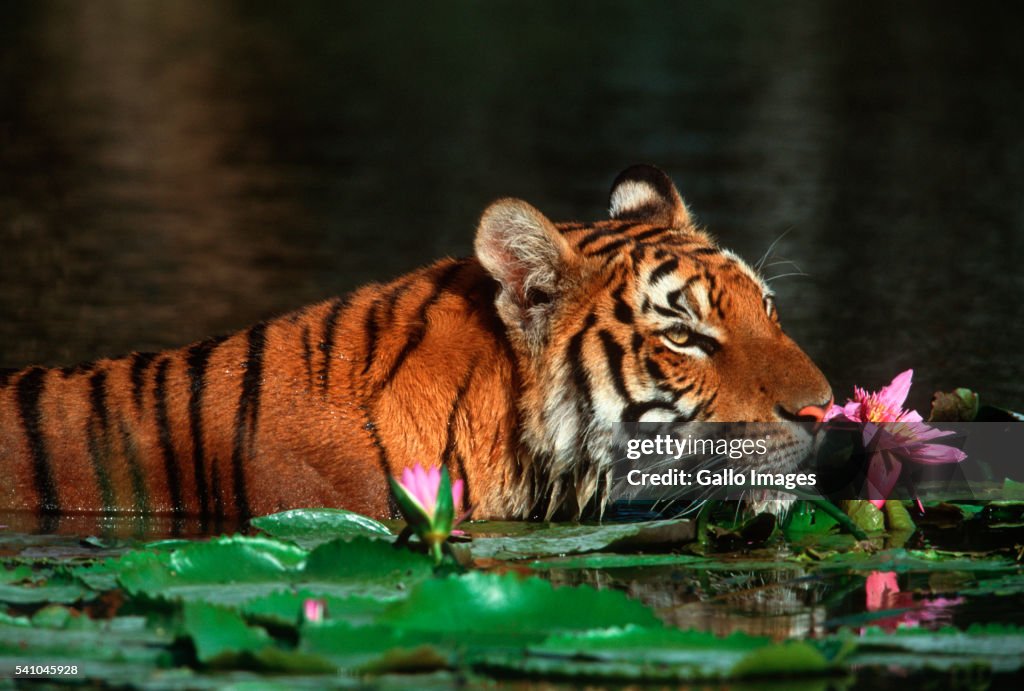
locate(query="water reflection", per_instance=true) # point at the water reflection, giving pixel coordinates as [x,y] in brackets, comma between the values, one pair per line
[112,526]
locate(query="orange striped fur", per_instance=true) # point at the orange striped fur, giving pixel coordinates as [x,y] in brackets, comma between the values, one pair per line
[509,368]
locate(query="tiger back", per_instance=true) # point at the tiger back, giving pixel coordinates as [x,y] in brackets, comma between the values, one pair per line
[511,368]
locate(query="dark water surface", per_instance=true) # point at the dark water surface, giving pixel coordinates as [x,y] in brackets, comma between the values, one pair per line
[177,169]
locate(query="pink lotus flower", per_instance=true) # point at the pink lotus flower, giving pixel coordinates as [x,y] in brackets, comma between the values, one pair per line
[893,435]
[886,405]
[422,486]
[430,503]
[314,610]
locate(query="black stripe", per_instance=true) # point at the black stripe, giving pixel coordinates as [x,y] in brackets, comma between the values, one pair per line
[670,313]
[391,301]
[637,341]
[654,369]
[663,269]
[467,500]
[327,341]
[623,312]
[709,405]
[609,248]
[450,443]
[614,355]
[650,233]
[714,294]
[682,390]
[441,284]
[99,443]
[634,411]
[370,326]
[29,390]
[307,356]
[595,235]
[140,362]
[197,358]
[166,442]
[247,416]
[382,457]
[574,355]
[674,296]
[704,251]
[131,455]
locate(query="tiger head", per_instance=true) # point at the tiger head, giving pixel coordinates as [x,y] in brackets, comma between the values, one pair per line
[642,317]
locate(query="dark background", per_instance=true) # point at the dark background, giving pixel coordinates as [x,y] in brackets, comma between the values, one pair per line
[178,169]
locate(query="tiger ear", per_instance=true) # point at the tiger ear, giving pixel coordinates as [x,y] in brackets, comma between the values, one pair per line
[646,194]
[522,250]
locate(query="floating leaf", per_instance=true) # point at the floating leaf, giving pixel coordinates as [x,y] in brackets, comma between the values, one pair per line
[312,527]
[285,607]
[902,560]
[507,607]
[221,634]
[57,588]
[577,539]
[660,654]
[999,646]
[257,567]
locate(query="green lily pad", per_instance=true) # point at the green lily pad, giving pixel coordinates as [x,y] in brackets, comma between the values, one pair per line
[577,539]
[354,646]
[58,588]
[902,560]
[311,527]
[285,608]
[507,608]
[221,634]
[997,646]
[120,640]
[661,654]
[604,561]
[1003,585]
[257,567]
[222,638]
[18,573]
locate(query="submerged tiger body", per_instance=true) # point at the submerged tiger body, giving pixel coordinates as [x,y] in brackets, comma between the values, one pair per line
[511,368]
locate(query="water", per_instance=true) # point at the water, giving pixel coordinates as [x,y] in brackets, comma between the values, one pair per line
[174,170]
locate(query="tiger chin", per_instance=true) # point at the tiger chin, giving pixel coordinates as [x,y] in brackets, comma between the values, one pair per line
[511,368]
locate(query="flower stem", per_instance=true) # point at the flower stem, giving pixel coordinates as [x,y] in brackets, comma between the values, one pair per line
[840,516]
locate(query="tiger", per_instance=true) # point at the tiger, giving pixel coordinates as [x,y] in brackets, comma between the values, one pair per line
[508,368]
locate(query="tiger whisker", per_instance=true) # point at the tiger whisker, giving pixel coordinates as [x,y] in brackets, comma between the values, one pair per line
[792,273]
[768,252]
[785,261]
